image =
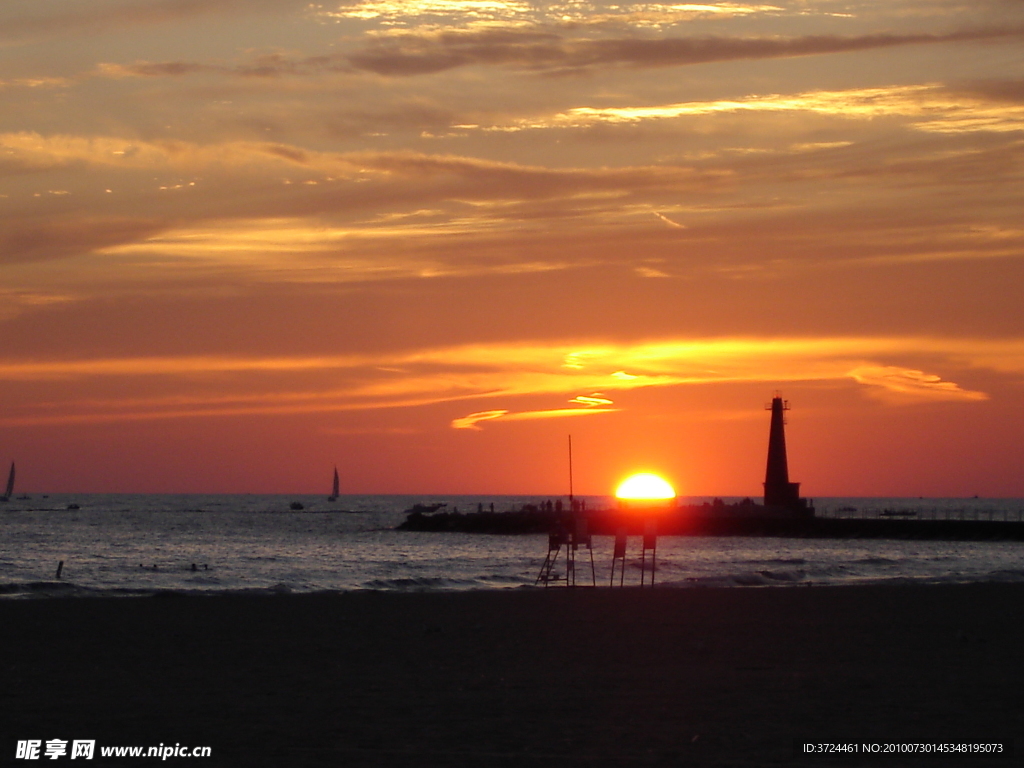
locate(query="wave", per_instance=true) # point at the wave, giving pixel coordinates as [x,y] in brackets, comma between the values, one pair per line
[497,578]
[38,587]
[28,589]
[741,579]
[423,583]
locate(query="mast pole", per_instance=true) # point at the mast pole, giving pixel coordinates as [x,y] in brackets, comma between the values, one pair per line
[570,471]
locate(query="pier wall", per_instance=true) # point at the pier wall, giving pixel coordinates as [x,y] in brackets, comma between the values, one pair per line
[694,521]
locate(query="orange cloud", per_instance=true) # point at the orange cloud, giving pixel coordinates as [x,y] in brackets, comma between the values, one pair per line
[471,421]
[63,19]
[929,107]
[417,53]
[476,372]
[895,384]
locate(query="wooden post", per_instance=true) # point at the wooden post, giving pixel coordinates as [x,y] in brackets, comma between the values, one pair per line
[60,567]
[581,537]
[619,553]
[651,543]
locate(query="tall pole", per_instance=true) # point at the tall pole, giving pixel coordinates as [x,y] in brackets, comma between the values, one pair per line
[570,471]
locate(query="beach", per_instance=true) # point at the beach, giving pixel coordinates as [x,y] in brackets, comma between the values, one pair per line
[520,677]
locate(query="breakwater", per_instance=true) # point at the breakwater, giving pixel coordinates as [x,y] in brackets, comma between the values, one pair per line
[730,520]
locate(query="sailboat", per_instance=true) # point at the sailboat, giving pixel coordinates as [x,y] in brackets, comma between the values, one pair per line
[10,485]
[334,488]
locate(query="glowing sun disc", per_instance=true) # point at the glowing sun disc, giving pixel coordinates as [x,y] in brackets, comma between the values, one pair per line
[644,486]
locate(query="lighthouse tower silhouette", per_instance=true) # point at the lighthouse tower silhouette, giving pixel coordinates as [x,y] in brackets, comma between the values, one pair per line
[778,491]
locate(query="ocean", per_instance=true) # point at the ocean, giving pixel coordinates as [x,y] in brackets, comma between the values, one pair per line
[118,544]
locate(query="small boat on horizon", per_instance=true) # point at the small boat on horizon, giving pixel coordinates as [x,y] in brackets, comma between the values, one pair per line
[334,487]
[10,485]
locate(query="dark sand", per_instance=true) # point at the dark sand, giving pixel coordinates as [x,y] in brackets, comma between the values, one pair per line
[519,678]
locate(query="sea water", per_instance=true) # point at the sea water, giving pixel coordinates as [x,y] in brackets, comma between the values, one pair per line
[147,544]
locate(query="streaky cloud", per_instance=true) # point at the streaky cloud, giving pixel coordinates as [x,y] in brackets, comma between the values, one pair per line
[894,384]
[419,54]
[413,53]
[930,107]
[280,385]
[472,420]
[57,18]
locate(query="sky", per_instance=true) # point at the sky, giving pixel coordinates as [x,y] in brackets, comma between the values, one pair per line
[244,241]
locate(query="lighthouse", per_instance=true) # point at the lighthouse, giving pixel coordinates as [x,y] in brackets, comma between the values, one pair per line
[778,491]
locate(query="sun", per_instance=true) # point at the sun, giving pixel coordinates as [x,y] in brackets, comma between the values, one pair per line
[644,485]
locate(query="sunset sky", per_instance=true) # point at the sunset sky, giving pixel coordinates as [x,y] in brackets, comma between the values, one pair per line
[243,241]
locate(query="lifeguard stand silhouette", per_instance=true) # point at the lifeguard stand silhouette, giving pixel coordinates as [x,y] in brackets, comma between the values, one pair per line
[649,542]
[572,534]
